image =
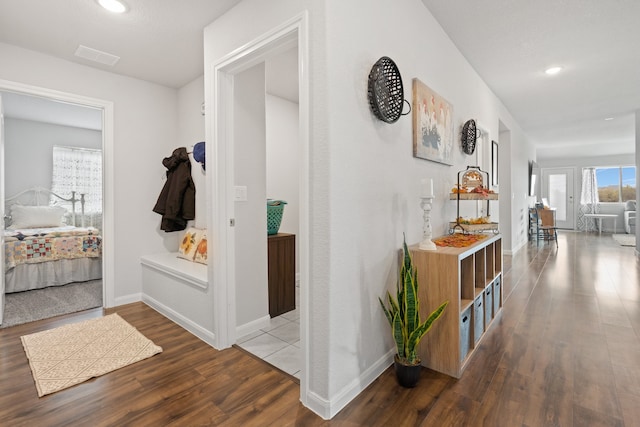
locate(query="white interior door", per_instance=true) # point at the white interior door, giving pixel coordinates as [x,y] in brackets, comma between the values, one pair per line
[558,190]
[1,211]
[249,170]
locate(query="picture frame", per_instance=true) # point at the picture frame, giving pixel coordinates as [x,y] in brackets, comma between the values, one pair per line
[494,163]
[432,125]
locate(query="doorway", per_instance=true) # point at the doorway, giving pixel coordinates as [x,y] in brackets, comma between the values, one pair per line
[558,189]
[105,112]
[266,164]
[222,133]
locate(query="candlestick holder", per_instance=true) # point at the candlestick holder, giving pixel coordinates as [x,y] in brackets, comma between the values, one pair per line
[427,244]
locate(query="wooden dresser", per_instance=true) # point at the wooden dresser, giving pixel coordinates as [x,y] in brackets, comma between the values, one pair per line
[282,273]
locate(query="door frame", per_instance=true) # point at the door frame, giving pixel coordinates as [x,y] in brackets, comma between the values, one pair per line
[107,107]
[2,212]
[571,192]
[220,142]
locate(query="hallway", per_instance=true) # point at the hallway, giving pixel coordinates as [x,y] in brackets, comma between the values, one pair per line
[564,352]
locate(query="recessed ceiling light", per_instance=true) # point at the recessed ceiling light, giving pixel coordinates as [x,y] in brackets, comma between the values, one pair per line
[553,70]
[609,118]
[114,6]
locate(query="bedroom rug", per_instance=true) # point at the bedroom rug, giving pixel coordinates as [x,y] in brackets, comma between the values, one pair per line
[29,306]
[72,354]
[625,239]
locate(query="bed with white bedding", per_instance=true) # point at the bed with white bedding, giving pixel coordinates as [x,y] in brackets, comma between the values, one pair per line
[42,250]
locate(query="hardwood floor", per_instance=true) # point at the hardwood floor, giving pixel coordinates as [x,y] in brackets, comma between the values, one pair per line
[565,351]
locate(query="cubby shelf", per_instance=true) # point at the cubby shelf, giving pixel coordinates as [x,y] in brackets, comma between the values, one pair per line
[471,280]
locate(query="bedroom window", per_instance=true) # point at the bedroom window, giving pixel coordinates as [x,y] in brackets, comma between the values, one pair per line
[80,170]
[616,184]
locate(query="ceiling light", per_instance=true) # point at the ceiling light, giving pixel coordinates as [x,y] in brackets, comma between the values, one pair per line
[609,118]
[114,6]
[553,70]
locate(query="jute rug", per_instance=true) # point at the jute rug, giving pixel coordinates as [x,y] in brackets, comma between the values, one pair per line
[625,239]
[72,354]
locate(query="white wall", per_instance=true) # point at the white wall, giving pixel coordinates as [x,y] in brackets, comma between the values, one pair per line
[188,305]
[283,153]
[374,180]
[29,150]
[364,182]
[190,132]
[145,117]
[515,154]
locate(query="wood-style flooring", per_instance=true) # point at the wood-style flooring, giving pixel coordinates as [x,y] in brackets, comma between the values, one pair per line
[565,351]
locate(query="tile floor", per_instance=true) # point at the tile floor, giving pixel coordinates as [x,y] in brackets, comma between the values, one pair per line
[279,344]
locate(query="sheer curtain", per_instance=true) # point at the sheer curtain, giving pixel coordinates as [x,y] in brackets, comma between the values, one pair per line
[80,170]
[588,199]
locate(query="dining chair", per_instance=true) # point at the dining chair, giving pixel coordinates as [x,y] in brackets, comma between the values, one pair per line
[548,225]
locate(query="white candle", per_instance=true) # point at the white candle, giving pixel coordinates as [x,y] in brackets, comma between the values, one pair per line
[426,187]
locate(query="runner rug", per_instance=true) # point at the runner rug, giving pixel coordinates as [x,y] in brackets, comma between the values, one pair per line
[625,239]
[71,354]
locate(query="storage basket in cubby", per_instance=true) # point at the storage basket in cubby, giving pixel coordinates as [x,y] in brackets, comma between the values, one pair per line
[275,208]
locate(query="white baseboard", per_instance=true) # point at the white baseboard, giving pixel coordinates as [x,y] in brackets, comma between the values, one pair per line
[127,299]
[318,405]
[247,328]
[327,409]
[194,328]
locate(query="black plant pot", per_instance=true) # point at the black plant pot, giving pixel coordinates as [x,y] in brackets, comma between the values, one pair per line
[408,375]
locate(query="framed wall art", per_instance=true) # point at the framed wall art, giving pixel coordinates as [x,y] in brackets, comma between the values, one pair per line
[432,125]
[494,163]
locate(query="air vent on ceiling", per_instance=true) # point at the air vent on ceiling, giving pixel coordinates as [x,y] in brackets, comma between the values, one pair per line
[96,55]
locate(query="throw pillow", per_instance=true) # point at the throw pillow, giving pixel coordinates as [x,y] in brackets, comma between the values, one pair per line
[201,250]
[36,216]
[188,244]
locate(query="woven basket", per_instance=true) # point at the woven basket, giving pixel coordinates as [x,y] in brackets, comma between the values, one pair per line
[275,208]
[385,91]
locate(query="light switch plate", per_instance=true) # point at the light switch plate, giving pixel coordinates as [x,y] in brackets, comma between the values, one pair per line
[240,193]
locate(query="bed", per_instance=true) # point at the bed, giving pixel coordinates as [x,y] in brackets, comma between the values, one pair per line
[45,242]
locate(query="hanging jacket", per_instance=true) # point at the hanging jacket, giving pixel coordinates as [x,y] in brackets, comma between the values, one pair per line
[177,200]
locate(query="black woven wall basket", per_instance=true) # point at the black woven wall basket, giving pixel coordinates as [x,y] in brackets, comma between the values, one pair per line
[386,94]
[469,136]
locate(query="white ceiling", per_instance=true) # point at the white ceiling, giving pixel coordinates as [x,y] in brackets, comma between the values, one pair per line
[510,44]
[157,40]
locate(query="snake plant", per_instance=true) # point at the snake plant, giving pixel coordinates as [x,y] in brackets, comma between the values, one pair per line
[403,312]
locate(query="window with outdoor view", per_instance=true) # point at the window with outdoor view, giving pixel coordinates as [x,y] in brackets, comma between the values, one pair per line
[616,184]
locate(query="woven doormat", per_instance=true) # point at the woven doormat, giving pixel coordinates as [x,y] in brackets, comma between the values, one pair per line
[62,357]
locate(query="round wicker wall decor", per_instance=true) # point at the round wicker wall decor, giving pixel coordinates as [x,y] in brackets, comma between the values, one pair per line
[386,94]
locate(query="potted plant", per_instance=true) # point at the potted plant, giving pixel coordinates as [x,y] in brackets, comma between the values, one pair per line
[403,314]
